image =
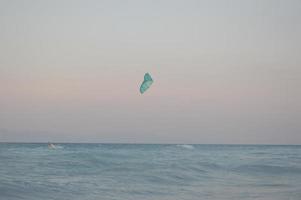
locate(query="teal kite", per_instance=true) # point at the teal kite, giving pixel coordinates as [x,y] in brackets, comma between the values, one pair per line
[146,83]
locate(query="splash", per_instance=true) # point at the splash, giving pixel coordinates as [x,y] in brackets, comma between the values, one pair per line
[186,146]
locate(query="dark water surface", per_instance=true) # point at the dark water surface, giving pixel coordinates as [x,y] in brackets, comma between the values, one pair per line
[142,172]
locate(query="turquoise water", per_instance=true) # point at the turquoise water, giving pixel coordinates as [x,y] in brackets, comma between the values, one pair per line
[142,172]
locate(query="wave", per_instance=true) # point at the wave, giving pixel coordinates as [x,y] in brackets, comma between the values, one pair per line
[186,146]
[59,147]
[177,171]
[268,169]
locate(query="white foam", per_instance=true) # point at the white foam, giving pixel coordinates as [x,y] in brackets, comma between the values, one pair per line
[186,146]
[59,147]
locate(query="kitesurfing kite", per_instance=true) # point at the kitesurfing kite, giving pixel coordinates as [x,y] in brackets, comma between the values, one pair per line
[146,83]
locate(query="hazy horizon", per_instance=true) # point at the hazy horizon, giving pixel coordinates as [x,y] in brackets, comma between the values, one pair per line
[55,143]
[225,72]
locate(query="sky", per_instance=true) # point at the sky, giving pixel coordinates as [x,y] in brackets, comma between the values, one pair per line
[225,72]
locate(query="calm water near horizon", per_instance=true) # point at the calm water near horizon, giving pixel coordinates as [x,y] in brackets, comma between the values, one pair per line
[149,171]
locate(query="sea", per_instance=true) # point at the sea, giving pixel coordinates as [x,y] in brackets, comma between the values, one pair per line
[149,172]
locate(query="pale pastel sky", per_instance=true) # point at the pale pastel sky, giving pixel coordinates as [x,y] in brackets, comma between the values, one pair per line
[224,71]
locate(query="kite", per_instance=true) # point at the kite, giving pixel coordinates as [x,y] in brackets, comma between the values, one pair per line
[146,83]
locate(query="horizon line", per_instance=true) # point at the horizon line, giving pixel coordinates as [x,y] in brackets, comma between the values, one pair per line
[141,143]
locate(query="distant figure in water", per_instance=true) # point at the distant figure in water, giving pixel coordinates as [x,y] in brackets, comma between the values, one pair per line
[51,146]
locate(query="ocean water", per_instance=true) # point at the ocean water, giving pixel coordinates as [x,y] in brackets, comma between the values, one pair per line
[143,172]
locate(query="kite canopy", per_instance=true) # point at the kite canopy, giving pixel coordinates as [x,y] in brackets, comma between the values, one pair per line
[146,83]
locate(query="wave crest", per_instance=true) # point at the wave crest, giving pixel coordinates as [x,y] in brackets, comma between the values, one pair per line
[186,146]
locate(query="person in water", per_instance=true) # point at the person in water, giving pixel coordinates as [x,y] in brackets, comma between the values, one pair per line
[51,146]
